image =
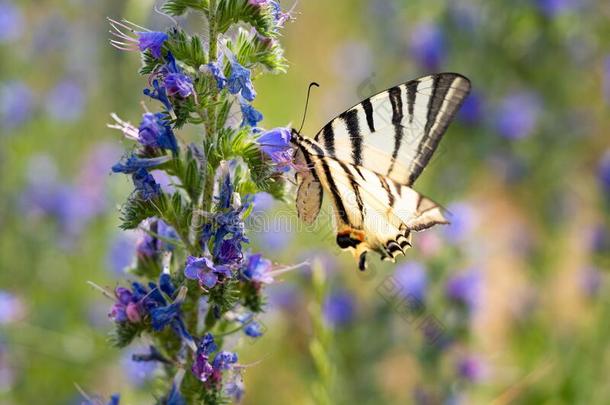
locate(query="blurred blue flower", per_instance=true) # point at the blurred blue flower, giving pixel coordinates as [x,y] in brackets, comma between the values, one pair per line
[137,372]
[338,308]
[257,269]
[553,8]
[145,185]
[133,163]
[175,397]
[224,360]
[234,388]
[466,15]
[239,81]
[284,296]
[120,253]
[427,45]
[276,144]
[66,101]
[154,131]
[590,280]
[277,238]
[413,279]
[517,115]
[158,93]
[127,307]
[11,308]
[253,329]
[604,172]
[250,115]
[161,317]
[176,83]
[153,41]
[16,104]
[600,239]
[204,270]
[462,218]
[96,400]
[471,369]
[262,202]
[471,111]
[11,21]
[466,289]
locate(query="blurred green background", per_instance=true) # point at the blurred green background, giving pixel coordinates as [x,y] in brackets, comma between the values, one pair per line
[517,284]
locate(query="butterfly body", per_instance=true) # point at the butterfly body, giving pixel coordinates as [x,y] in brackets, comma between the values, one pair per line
[368,157]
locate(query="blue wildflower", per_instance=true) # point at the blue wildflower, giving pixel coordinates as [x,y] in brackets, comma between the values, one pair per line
[239,81]
[216,70]
[517,115]
[11,21]
[127,307]
[120,253]
[224,360]
[146,186]
[66,101]
[257,269]
[153,41]
[149,246]
[202,269]
[175,397]
[153,355]
[139,368]
[11,307]
[251,116]
[471,111]
[176,82]
[412,278]
[276,144]
[154,131]
[466,289]
[235,388]
[428,45]
[201,367]
[471,369]
[158,93]
[338,308]
[253,329]
[95,400]
[462,222]
[16,104]
[163,316]
[133,163]
[553,8]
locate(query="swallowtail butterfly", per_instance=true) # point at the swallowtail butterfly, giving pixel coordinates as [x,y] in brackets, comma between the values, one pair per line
[368,158]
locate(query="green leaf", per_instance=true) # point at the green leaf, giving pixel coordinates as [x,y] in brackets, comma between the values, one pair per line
[254,49]
[179,7]
[231,12]
[135,210]
[125,333]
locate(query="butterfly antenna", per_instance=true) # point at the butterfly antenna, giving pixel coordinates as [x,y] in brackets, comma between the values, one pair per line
[307,103]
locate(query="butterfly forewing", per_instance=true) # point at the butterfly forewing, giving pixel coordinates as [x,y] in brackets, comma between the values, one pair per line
[395,132]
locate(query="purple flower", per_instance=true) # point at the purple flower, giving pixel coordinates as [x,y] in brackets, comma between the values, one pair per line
[202,369]
[466,289]
[137,371]
[250,115]
[176,83]
[66,101]
[133,163]
[276,144]
[95,400]
[153,41]
[202,269]
[427,45]
[257,269]
[11,21]
[338,308]
[462,221]
[154,131]
[120,254]
[413,280]
[471,369]
[216,70]
[471,111]
[146,186]
[590,280]
[16,104]
[253,329]
[224,361]
[239,81]
[127,307]
[553,8]
[235,388]
[161,317]
[604,172]
[11,308]
[517,115]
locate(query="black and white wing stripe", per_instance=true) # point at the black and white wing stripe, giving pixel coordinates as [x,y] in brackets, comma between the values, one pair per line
[395,132]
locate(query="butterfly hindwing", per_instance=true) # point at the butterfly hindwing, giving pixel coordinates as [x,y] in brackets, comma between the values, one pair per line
[395,132]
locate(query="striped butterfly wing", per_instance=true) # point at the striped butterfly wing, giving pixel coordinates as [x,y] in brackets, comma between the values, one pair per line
[395,132]
[372,212]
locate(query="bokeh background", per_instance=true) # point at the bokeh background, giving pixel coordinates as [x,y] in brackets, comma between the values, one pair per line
[516,288]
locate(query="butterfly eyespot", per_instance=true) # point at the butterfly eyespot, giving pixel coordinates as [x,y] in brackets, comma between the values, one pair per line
[362,261]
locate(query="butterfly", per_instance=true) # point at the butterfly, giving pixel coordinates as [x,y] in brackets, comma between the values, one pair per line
[367,160]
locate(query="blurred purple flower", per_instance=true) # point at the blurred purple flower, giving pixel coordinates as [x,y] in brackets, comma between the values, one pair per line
[145,185]
[284,296]
[517,115]
[158,93]
[554,8]
[234,388]
[120,253]
[462,218]
[262,202]
[590,280]
[11,21]
[338,308]
[413,280]
[276,144]
[137,372]
[466,288]
[132,164]
[471,369]
[253,329]
[11,308]
[155,131]
[427,45]
[471,111]
[466,15]
[604,172]
[353,61]
[16,104]
[600,239]
[257,269]
[66,101]
[151,40]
